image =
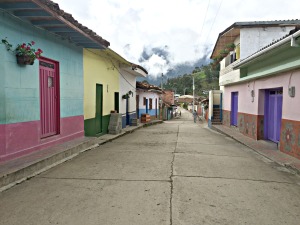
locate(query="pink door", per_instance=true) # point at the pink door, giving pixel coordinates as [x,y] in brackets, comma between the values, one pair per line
[49,98]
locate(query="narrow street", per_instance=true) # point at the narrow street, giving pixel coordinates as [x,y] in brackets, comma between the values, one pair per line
[178,173]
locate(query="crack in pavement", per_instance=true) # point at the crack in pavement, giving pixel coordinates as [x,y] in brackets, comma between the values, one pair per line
[100,179]
[197,143]
[239,179]
[204,153]
[171,178]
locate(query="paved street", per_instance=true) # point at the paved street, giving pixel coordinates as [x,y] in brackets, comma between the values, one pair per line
[178,173]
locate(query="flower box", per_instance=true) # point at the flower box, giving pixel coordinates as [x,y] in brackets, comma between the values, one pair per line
[24,60]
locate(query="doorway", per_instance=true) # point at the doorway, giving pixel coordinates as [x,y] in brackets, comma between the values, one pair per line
[117,102]
[273,114]
[49,98]
[99,108]
[234,108]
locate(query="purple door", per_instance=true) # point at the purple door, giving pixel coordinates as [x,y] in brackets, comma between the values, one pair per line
[273,114]
[234,108]
[49,98]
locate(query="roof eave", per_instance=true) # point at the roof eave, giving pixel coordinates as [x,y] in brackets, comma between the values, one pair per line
[45,14]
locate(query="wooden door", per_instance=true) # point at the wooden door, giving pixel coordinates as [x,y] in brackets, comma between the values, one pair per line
[49,98]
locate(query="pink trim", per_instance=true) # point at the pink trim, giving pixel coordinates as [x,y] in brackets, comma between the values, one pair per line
[24,138]
[2,139]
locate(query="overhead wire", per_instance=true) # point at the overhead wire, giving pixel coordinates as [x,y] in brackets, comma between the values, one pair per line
[213,22]
[204,18]
[114,66]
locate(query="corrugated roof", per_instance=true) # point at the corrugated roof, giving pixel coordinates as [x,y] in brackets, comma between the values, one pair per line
[47,15]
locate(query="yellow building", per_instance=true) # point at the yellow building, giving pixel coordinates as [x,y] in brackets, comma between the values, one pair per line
[105,73]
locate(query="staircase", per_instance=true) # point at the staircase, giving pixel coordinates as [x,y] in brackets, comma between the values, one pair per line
[216,119]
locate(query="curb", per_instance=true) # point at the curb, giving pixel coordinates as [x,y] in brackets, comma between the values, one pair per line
[19,175]
[286,165]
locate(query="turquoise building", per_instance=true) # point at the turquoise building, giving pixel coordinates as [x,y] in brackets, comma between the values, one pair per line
[41,104]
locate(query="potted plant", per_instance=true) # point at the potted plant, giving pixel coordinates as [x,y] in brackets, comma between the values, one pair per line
[230,47]
[25,53]
[224,52]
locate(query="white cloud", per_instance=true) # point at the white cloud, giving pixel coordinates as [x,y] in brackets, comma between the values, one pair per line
[133,25]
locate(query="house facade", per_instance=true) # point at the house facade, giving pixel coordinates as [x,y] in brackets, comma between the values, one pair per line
[109,85]
[101,90]
[267,99]
[168,101]
[148,99]
[258,82]
[128,94]
[234,44]
[41,104]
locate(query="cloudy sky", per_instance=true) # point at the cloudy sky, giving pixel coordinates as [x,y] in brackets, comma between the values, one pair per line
[159,34]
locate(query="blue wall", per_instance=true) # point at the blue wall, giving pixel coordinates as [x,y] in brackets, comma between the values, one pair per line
[132,115]
[151,112]
[19,85]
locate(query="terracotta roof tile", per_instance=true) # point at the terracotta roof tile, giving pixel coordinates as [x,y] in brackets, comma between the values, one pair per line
[55,7]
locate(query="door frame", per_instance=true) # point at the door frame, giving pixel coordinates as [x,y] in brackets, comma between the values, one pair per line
[267,114]
[233,94]
[137,106]
[117,102]
[57,93]
[127,112]
[101,110]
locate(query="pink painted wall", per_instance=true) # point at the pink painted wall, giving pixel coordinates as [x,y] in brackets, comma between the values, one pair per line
[291,106]
[19,139]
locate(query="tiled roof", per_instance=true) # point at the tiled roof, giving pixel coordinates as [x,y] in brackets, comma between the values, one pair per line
[147,86]
[55,7]
[47,14]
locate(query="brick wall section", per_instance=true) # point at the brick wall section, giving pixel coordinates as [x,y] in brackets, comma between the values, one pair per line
[226,118]
[168,97]
[290,137]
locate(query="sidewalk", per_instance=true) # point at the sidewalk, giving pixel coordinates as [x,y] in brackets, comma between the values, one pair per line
[265,148]
[18,170]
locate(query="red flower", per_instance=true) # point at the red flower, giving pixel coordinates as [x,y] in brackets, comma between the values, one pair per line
[28,48]
[23,45]
[40,51]
[32,42]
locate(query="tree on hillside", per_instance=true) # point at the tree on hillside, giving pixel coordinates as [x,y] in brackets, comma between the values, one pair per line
[206,78]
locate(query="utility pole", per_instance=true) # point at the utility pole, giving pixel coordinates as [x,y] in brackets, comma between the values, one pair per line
[184,91]
[193,93]
[161,84]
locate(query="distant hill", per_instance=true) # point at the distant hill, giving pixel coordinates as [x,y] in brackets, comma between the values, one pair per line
[177,70]
[181,79]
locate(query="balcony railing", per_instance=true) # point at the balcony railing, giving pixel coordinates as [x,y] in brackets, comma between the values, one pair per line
[229,68]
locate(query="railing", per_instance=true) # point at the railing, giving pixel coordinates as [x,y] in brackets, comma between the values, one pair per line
[229,68]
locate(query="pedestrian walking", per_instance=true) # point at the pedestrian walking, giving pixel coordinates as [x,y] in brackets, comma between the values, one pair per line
[195,116]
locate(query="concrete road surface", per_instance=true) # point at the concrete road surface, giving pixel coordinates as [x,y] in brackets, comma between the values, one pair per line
[178,173]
